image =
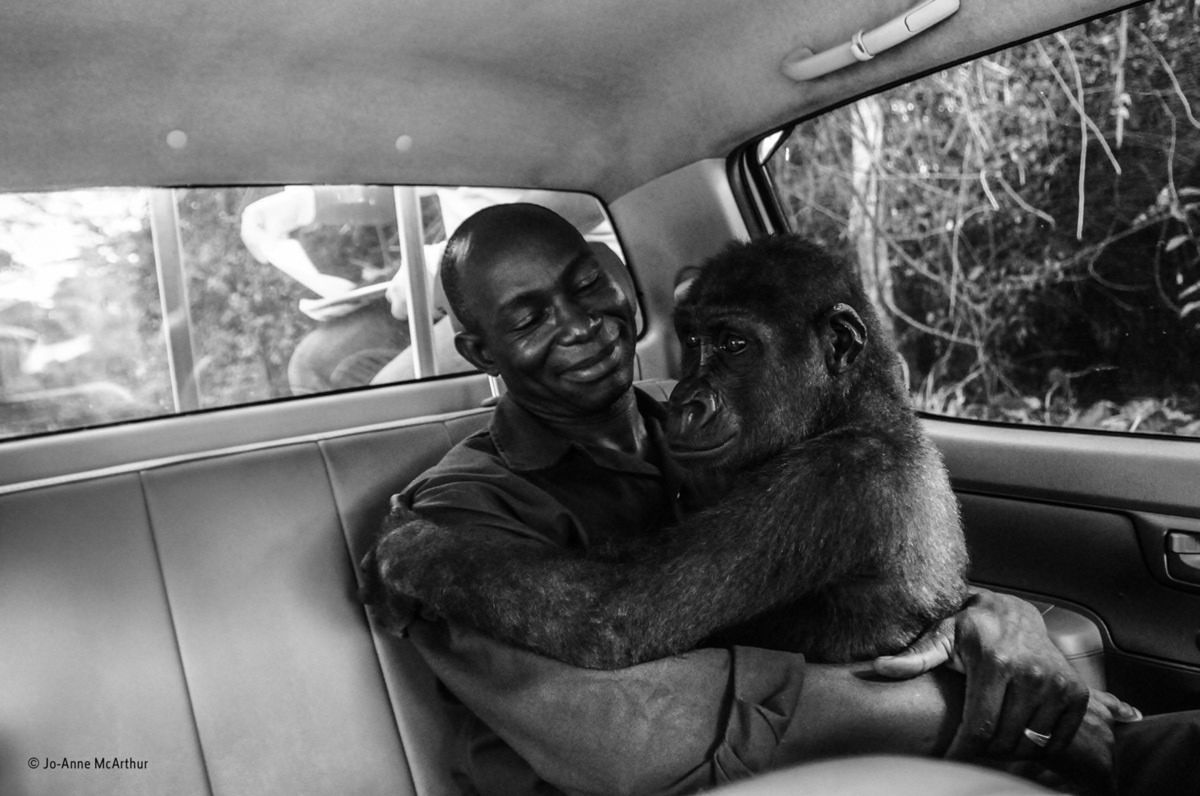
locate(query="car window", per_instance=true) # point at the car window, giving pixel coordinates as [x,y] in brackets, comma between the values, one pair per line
[1029,222]
[123,303]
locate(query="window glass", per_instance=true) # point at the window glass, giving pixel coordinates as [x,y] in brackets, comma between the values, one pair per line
[1030,223]
[80,322]
[266,292]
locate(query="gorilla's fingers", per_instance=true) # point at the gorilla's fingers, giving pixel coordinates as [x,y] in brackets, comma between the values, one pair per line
[399,512]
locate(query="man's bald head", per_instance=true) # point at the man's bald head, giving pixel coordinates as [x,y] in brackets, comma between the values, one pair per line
[491,235]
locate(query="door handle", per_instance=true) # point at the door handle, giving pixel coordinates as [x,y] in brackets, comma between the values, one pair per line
[1183,556]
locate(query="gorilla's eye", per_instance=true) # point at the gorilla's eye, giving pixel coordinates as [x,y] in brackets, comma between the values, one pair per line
[691,341]
[733,343]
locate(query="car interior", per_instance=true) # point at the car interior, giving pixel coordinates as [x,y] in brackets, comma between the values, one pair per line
[178,583]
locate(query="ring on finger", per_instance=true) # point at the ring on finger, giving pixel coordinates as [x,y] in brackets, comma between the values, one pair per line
[1037,738]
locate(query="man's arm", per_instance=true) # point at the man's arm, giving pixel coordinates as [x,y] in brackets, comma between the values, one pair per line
[688,721]
[709,716]
[266,230]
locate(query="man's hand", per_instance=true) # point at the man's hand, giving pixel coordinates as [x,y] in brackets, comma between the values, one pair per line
[1017,680]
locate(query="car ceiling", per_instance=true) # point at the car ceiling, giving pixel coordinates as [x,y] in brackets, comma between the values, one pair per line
[597,95]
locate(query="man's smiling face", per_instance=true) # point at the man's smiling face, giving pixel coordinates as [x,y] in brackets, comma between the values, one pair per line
[554,324]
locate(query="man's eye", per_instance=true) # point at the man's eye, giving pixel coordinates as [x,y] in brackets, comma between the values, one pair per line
[587,281]
[733,344]
[524,322]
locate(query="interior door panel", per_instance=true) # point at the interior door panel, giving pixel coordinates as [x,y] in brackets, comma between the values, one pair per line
[1077,521]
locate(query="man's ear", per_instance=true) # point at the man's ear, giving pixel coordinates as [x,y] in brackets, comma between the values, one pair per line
[472,349]
[843,337]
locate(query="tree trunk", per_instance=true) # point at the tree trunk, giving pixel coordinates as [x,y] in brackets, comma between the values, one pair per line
[865,223]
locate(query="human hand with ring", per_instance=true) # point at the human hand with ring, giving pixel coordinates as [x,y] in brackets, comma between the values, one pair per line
[1023,698]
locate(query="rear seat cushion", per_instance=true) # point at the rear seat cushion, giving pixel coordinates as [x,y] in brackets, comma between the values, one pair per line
[88,662]
[203,617]
[365,470]
[286,687]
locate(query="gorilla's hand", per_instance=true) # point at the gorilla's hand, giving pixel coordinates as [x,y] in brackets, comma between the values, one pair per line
[1088,760]
[387,569]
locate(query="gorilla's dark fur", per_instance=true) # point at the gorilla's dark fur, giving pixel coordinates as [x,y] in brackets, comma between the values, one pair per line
[838,537]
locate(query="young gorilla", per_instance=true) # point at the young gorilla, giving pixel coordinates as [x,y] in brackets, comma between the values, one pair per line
[838,537]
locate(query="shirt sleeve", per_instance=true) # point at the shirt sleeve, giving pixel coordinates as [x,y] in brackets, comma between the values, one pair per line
[493,501]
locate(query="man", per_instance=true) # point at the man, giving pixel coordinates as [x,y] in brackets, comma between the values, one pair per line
[574,458]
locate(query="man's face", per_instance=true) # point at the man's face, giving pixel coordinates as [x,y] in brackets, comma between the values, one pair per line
[555,325]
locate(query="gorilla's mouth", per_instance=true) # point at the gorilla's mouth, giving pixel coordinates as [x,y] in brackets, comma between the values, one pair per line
[691,449]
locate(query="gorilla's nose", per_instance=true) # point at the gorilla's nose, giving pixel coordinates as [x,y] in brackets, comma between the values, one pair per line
[689,415]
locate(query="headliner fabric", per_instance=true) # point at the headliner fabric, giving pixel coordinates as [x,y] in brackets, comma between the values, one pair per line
[593,95]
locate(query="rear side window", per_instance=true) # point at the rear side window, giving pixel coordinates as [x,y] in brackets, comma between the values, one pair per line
[1030,223]
[126,303]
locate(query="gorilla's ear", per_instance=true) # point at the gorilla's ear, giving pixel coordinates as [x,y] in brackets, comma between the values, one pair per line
[683,281]
[843,337]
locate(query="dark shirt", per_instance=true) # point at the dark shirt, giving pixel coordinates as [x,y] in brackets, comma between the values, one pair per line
[522,478]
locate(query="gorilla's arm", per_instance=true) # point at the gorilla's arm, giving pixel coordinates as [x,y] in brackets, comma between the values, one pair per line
[664,594]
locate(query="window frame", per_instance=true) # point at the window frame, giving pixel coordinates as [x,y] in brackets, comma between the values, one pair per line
[755,193]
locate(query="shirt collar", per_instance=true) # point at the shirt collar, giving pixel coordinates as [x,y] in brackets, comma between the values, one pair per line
[525,443]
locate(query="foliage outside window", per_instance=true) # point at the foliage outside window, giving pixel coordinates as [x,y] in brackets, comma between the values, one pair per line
[1030,223]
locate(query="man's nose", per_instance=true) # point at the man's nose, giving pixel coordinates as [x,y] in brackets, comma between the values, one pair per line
[576,323]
